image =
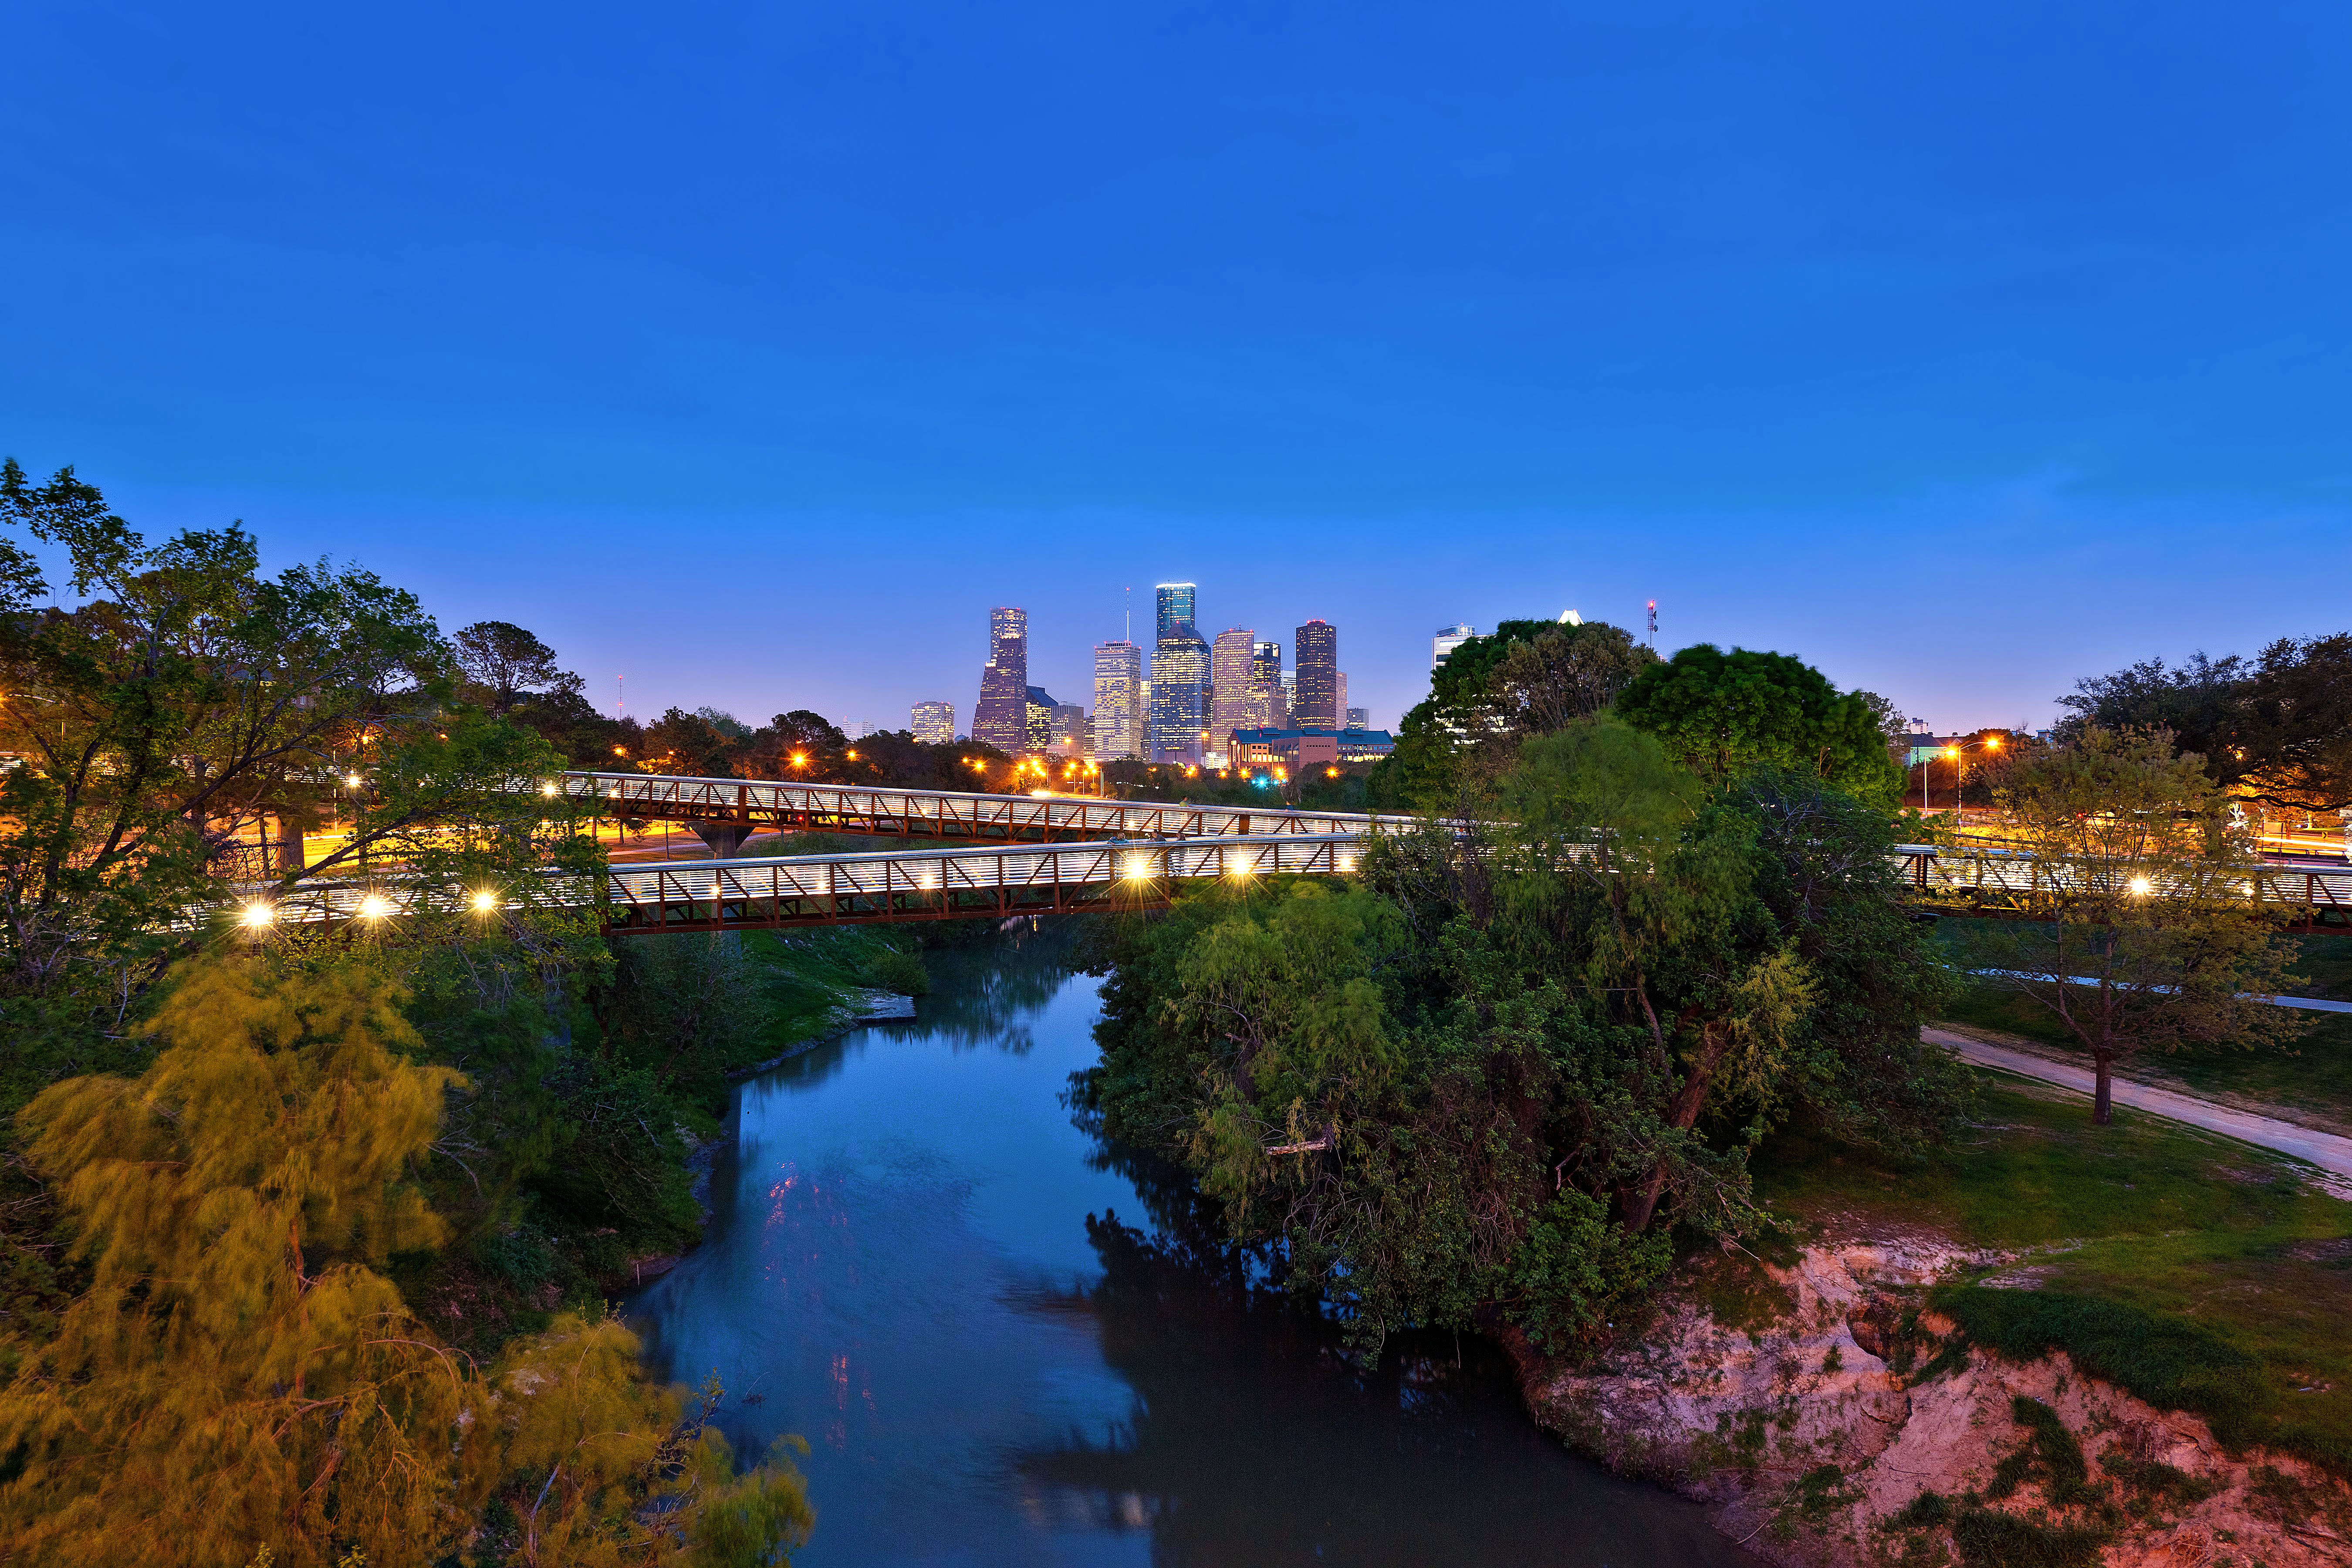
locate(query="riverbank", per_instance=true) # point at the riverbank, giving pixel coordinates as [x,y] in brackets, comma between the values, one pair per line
[2055,1344]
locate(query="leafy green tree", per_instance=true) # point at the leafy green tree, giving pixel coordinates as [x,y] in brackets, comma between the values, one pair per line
[1489,1073]
[1724,714]
[184,704]
[2140,931]
[1527,677]
[2277,727]
[241,1378]
[504,664]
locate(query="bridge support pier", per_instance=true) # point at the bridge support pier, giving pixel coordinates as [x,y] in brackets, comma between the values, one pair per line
[725,839]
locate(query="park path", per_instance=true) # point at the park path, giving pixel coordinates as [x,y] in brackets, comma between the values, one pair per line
[2325,1150]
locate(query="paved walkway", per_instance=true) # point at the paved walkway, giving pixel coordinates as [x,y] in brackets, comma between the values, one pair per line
[2325,1150]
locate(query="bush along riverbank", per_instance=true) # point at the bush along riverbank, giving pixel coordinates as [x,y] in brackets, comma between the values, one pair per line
[597,1185]
[1618,1085]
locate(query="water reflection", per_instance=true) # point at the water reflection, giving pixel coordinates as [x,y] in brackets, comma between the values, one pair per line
[1008,1343]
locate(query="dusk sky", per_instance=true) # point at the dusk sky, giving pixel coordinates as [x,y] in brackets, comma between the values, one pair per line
[753,352]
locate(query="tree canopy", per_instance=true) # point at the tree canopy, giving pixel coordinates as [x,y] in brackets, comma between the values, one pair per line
[2277,727]
[1492,1071]
[1724,715]
[241,1375]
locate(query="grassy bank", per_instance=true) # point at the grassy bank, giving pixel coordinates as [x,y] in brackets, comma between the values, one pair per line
[2198,1272]
[2312,1076]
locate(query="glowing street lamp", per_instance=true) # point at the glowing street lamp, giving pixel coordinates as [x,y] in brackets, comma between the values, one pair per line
[485,901]
[373,907]
[256,916]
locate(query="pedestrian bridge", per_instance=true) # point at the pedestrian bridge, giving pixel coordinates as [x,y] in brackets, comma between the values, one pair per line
[837,889]
[724,811]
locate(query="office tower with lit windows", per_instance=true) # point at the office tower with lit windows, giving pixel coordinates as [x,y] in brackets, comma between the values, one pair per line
[1037,728]
[1315,658]
[1001,718]
[1118,701]
[1234,699]
[1339,703]
[1179,689]
[1070,739]
[1447,639]
[935,723]
[1269,704]
[1359,718]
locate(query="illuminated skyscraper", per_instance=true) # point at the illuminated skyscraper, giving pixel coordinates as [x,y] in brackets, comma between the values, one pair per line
[1317,658]
[1175,606]
[1037,731]
[935,723]
[1269,704]
[1001,718]
[1179,683]
[1070,737]
[1234,704]
[1118,701]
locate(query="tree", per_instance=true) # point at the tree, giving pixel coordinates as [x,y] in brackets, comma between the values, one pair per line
[2141,932]
[2276,728]
[2298,708]
[166,723]
[1565,673]
[506,664]
[1526,677]
[1725,714]
[240,1375]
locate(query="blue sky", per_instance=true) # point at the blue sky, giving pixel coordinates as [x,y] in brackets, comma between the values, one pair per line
[753,352]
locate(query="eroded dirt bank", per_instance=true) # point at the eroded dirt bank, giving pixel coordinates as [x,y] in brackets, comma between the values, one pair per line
[1846,1426]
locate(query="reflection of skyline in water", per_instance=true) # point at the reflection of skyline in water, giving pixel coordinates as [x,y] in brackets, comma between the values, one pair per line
[913,1263]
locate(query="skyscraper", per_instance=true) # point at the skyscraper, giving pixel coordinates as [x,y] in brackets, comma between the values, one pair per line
[1001,718]
[1234,704]
[1119,700]
[1179,681]
[935,723]
[1069,731]
[1317,662]
[1175,606]
[1447,639]
[1037,729]
[1269,704]
[1339,704]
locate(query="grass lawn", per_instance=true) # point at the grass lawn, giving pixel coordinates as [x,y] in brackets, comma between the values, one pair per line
[2313,1076]
[2204,1241]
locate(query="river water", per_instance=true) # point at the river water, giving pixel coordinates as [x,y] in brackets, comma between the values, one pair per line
[1004,1343]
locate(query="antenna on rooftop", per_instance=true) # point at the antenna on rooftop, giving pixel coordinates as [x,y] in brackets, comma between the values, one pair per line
[620,697]
[1654,625]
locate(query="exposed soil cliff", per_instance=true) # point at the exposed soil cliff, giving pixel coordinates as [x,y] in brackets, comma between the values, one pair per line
[1841,1424]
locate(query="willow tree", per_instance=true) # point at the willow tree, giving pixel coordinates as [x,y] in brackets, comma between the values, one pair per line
[241,1382]
[2141,929]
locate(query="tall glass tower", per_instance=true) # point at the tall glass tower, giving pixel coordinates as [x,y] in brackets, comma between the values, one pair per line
[1317,659]
[1001,717]
[1233,704]
[1269,699]
[1175,606]
[1179,689]
[1118,701]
